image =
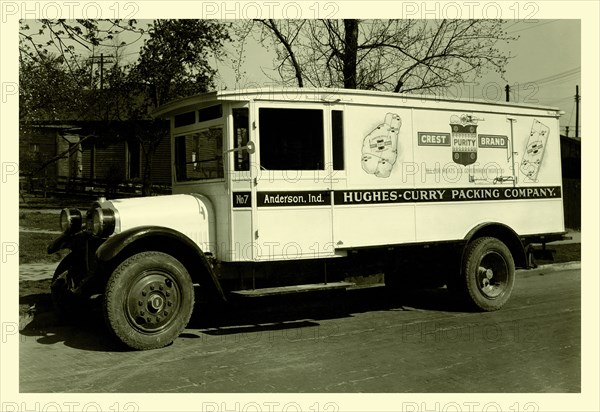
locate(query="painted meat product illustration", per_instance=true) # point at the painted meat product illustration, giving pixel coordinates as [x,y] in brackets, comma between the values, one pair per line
[380,147]
[534,151]
[464,139]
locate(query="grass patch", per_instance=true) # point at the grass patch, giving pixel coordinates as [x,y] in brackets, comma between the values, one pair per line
[32,248]
[34,287]
[34,202]
[38,220]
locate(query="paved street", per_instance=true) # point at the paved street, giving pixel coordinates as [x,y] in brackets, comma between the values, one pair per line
[358,342]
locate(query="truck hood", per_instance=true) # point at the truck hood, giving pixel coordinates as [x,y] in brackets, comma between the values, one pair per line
[189,214]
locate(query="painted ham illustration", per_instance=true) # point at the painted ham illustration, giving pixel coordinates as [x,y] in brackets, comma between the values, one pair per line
[534,151]
[380,147]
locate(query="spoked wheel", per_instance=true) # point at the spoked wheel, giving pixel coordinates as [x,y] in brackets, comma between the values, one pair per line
[489,273]
[149,300]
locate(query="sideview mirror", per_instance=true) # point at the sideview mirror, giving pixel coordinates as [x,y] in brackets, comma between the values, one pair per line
[250,147]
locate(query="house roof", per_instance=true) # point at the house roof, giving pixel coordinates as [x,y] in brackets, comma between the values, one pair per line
[574,138]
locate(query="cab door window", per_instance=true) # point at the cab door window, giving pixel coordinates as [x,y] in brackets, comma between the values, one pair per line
[291,139]
[199,155]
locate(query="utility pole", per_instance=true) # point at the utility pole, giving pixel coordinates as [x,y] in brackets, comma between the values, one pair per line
[577,97]
[101,71]
[567,131]
[102,61]
[507,89]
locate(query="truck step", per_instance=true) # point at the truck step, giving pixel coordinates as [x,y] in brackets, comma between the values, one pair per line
[284,290]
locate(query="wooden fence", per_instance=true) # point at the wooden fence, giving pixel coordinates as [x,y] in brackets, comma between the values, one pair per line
[82,187]
[572,203]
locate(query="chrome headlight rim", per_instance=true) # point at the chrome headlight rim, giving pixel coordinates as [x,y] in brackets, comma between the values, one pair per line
[102,221]
[71,220]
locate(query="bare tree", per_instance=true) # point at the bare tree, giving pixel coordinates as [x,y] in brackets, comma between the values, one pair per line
[398,55]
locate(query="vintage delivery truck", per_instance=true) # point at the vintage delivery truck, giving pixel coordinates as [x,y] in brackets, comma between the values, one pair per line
[290,190]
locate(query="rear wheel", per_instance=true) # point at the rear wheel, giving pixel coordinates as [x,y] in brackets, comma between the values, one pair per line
[149,300]
[488,273]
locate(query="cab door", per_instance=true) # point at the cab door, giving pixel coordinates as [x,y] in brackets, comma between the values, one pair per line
[240,177]
[293,195]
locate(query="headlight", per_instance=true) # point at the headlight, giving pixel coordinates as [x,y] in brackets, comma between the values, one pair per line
[70,220]
[103,221]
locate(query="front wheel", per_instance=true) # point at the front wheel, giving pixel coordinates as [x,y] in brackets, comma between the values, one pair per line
[149,300]
[488,273]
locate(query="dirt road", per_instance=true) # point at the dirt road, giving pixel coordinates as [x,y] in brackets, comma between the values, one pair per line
[357,342]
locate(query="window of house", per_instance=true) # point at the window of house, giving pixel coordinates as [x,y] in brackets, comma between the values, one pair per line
[199,155]
[291,139]
[241,158]
[210,113]
[185,119]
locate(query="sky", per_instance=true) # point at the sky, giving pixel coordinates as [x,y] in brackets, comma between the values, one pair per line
[545,69]
[547,50]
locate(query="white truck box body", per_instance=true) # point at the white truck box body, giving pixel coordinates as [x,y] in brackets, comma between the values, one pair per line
[415,169]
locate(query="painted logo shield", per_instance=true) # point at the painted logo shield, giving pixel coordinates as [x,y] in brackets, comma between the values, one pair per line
[464,139]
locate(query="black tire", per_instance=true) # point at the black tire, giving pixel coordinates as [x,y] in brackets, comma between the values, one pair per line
[488,273]
[66,304]
[149,300]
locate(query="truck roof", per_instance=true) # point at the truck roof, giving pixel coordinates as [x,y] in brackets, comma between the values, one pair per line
[342,96]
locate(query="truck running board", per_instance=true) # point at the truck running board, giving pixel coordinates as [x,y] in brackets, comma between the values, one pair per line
[284,290]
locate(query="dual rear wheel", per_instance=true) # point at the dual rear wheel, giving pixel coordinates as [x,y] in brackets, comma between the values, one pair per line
[488,274]
[483,279]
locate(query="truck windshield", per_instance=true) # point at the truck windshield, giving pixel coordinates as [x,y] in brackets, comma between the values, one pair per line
[199,155]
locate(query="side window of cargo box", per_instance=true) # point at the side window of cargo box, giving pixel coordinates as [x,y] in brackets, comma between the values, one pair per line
[291,139]
[337,139]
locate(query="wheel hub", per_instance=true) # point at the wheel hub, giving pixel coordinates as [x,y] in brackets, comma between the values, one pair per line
[153,302]
[486,277]
[492,275]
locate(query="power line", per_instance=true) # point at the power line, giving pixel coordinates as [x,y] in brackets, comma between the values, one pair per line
[533,27]
[557,81]
[563,99]
[557,76]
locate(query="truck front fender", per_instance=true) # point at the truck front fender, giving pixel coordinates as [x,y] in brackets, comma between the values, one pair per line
[162,239]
